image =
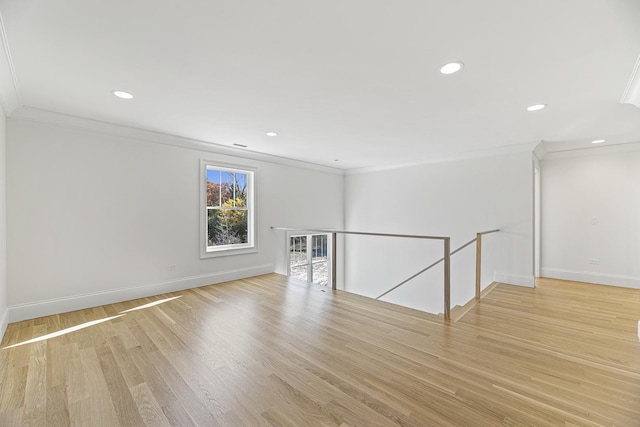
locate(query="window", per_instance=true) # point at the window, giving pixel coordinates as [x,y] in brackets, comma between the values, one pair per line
[228,212]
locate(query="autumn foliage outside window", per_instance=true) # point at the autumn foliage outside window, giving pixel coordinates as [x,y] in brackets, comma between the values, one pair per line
[228,207]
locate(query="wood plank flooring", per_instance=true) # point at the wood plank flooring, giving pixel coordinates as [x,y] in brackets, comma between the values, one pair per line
[265,352]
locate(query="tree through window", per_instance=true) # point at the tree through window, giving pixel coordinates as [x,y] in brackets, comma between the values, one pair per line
[229,210]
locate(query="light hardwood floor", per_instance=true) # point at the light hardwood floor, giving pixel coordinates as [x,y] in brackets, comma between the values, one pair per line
[262,352]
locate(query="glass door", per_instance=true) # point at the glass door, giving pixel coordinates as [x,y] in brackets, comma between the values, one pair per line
[309,258]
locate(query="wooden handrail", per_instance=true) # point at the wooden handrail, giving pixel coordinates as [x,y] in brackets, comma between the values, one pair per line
[362,233]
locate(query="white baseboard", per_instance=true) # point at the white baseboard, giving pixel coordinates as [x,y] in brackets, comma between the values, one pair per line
[514,279]
[79,302]
[591,277]
[4,321]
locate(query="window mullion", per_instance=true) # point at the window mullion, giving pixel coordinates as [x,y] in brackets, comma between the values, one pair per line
[220,188]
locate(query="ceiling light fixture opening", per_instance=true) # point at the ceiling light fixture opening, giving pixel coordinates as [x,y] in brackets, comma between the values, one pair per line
[271,134]
[122,94]
[451,67]
[598,141]
[536,107]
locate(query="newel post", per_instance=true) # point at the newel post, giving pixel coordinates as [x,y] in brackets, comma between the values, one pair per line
[478,263]
[447,278]
[334,264]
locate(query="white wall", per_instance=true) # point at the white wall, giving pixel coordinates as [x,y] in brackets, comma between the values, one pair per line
[97,217]
[4,314]
[591,216]
[456,199]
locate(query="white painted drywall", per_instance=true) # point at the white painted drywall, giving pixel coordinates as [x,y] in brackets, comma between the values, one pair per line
[591,216]
[456,199]
[96,217]
[4,314]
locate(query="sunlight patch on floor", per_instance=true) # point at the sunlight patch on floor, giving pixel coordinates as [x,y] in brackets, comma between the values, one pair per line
[64,331]
[151,304]
[91,323]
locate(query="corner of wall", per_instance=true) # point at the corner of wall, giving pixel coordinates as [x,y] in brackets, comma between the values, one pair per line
[540,151]
[4,312]
[525,280]
[9,92]
[4,322]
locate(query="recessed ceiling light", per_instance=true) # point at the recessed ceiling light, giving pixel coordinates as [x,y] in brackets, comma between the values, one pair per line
[536,107]
[598,141]
[122,94]
[451,67]
[271,134]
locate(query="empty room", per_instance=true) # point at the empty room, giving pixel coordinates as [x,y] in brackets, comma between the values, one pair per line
[294,213]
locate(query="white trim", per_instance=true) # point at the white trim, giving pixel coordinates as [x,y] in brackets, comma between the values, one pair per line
[591,277]
[37,115]
[631,93]
[514,279]
[9,89]
[540,151]
[252,208]
[451,157]
[64,120]
[591,151]
[78,302]
[4,321]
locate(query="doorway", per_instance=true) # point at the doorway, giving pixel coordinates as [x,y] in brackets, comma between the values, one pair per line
[309,258]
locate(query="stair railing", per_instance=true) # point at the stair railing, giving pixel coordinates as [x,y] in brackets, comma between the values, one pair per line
[446,258]
[477,240]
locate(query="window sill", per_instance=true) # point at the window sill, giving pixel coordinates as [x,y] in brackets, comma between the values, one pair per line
[228,252]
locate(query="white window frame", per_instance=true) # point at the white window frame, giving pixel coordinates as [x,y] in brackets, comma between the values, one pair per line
[207,251]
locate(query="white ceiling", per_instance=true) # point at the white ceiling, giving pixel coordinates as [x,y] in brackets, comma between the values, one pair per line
[354,80]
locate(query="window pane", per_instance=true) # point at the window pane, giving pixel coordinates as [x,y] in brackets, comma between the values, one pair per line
[319,246]
[321,273]
[212,226]
[227,227]
[227,185]
[233,186]
[213,187]
[227,218]
[298,251]
[241,190]
[299,272]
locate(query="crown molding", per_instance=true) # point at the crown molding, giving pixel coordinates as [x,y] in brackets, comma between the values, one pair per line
[451,157]
[540,151]
[68,121]
[631,93]
[9,89]
[594,150]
